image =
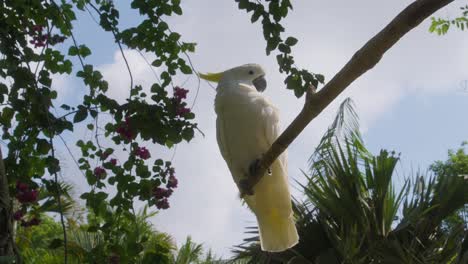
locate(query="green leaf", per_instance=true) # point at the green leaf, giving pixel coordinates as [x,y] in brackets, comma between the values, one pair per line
[53,165]
[73,51]
[84,51]
[55,243]
[65,107]
[7,113]
[320,78]
[80,115]
[291,41]
[284,48]
[256,15]
[187,134]
[156,63]
[185,69]
[177,10]
[43,146]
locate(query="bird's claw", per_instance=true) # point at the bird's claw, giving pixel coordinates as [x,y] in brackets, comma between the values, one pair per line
[254,167]
[245,188]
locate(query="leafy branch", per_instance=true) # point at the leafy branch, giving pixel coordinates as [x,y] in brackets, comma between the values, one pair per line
[441,26]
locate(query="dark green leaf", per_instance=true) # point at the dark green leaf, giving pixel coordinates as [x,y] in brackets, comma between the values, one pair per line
[80,115]
[291,41]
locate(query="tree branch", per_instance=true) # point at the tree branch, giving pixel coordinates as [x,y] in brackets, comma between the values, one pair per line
[363,60]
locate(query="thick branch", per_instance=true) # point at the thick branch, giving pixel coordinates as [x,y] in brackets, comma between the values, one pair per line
[363,60]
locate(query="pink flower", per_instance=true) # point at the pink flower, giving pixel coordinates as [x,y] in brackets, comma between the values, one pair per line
[22,187]
[37,28]
[182,110]
[113,162]
[162,204]
[171,171]
[100,172]
[172,182]
[180,93]
[142,153]
[125,132]
[18,215]
[28,196]
[160,193]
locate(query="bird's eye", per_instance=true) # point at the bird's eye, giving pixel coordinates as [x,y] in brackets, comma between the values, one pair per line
[251,72]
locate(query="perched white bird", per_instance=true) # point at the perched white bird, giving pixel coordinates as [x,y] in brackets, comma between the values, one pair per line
[246,127]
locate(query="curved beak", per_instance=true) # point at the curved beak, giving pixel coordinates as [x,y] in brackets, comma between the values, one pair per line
[260,83]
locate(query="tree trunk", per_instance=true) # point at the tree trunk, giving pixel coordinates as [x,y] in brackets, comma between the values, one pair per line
[7,247]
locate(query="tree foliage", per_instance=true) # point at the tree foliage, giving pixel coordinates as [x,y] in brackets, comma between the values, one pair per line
[41,244]
[37,42]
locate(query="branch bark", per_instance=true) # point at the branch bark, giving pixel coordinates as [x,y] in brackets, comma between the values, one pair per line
[363,60]
[6,224]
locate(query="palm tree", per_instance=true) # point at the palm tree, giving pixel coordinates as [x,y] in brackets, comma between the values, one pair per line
[353,213]
[193,253]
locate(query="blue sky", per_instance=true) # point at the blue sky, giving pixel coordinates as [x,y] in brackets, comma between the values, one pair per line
[411,102]
[422,128]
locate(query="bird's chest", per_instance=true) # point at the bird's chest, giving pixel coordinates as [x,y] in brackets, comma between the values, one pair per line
[238,114]
[240,128]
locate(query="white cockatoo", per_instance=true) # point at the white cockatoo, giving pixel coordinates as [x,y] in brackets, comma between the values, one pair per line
[247,124]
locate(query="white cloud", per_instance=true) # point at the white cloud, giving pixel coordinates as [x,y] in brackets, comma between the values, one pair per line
[117,75]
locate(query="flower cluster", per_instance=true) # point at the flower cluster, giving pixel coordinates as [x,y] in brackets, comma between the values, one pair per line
[182,110]
[18,215]
[125,131]
[25,194]
[172,182]
[161,194]
[179,95]
[142,153]
[100,172]
[39,39]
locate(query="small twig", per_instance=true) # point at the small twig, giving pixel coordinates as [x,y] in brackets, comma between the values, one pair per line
[149,65]
[59,203]
[121,51]
[71,155]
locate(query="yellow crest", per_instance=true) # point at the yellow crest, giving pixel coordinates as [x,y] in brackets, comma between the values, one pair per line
[212,77]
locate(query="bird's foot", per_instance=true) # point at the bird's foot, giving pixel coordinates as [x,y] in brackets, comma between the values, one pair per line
[245,187]
[253,168]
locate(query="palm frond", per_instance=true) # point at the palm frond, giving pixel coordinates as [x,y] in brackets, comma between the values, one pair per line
[189,252]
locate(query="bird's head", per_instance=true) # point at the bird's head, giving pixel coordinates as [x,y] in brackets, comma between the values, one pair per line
[247,73]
